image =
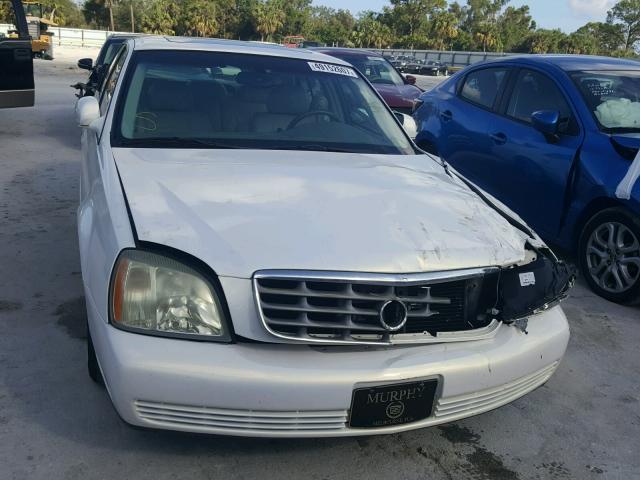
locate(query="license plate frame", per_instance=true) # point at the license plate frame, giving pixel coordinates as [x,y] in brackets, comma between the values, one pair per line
[386,405]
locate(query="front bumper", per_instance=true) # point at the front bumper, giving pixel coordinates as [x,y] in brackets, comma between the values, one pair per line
[278,390]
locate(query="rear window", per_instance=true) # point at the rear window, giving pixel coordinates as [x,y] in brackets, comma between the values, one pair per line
[482,86]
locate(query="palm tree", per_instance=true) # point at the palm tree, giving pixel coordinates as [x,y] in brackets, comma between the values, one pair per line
[200,18]
[270,17]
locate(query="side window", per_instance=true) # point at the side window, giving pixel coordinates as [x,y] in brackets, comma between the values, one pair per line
[112,80]
[483,86]
[534,92]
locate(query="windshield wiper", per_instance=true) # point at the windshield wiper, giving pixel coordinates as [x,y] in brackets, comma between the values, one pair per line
[177,142]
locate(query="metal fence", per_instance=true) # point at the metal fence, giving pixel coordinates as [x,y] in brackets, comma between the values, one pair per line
[451,58]
[78,37]
[95,38]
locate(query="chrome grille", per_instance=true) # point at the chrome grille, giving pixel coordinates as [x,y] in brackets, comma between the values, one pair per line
[346,307]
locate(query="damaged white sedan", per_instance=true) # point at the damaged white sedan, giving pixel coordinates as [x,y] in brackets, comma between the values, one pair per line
[266,253]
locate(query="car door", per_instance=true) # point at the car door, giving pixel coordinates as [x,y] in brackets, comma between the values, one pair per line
[464,119]
[526,169]
[16,63]
[91,151]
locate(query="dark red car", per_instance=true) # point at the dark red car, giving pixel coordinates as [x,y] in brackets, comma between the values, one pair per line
[398,91]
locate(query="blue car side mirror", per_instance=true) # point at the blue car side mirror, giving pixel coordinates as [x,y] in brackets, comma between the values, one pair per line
[546,121]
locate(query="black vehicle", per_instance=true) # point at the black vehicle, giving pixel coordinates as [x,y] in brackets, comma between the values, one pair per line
[414,66]
[98,70]
[16,63]
[433,68]
[403,61]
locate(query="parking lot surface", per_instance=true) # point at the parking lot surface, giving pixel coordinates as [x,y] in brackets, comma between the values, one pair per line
[55,423]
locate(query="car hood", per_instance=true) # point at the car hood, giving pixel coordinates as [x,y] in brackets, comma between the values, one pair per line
[241,211]
[398,96]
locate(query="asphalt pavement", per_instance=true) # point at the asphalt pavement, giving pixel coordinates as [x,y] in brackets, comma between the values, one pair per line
[56,424]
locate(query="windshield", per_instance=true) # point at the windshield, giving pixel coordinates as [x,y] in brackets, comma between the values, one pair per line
[185,99]
[377,69]
[613,97]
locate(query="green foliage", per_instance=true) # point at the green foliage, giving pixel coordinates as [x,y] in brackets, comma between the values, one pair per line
[477,25]
[626,14]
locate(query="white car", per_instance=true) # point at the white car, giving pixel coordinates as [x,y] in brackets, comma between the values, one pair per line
[266,253]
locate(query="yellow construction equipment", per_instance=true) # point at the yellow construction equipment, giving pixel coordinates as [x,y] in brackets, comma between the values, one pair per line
[41,38]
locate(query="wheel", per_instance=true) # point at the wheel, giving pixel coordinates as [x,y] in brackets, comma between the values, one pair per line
[609,255]
[92,361]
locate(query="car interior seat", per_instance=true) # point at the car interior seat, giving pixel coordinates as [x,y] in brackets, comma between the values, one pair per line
[283,105]
[168,109]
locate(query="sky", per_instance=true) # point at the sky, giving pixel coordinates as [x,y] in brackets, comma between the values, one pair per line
[567,15]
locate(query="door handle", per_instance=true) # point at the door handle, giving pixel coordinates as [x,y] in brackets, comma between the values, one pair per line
[446,115]
[499,138]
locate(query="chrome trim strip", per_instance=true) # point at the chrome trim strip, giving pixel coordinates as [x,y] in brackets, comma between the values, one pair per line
[377,278]
[383,279]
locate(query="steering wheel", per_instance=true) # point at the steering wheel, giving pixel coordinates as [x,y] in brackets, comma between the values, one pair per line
[314,113]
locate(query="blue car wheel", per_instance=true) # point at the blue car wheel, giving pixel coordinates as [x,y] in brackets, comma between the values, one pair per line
[609,251]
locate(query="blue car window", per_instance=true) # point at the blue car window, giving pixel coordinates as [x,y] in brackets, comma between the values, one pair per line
[482,86]
[535,92]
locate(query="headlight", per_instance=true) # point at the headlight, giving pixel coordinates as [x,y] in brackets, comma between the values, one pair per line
[158,295]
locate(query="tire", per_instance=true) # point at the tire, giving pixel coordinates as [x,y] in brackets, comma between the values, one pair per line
[609,255]
[92,361]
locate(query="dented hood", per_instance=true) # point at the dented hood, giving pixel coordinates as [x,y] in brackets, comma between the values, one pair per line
[245,210]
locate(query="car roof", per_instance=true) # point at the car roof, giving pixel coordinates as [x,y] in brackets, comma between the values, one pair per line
[571,63]
[352,52]
[230,46]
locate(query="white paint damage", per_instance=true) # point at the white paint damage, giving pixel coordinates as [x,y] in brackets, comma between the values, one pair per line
[625,187]
[241,211]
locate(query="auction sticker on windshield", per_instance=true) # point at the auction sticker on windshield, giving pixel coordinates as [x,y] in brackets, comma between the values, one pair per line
[337,69]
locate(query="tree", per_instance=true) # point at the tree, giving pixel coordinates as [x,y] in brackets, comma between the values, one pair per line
[627,14]
[443,30]
[580,44]
[608,37]
[480,20]
[546,41]
[514,27]
[330,26]
[198,18]
[409,17]
[270,17]
[160,17]
[95,13]
[371,32]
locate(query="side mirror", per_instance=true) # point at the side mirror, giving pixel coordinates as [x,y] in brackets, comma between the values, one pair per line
[411,80]
[408,123]
[87,111]
[85,63]
[546,122]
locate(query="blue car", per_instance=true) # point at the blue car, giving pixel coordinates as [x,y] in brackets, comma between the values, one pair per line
[556,139]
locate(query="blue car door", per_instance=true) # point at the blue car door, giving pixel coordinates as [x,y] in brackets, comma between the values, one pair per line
[526,169]
[464,119]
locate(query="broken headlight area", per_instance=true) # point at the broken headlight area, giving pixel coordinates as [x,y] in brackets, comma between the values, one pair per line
[525,290]
[512,295]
